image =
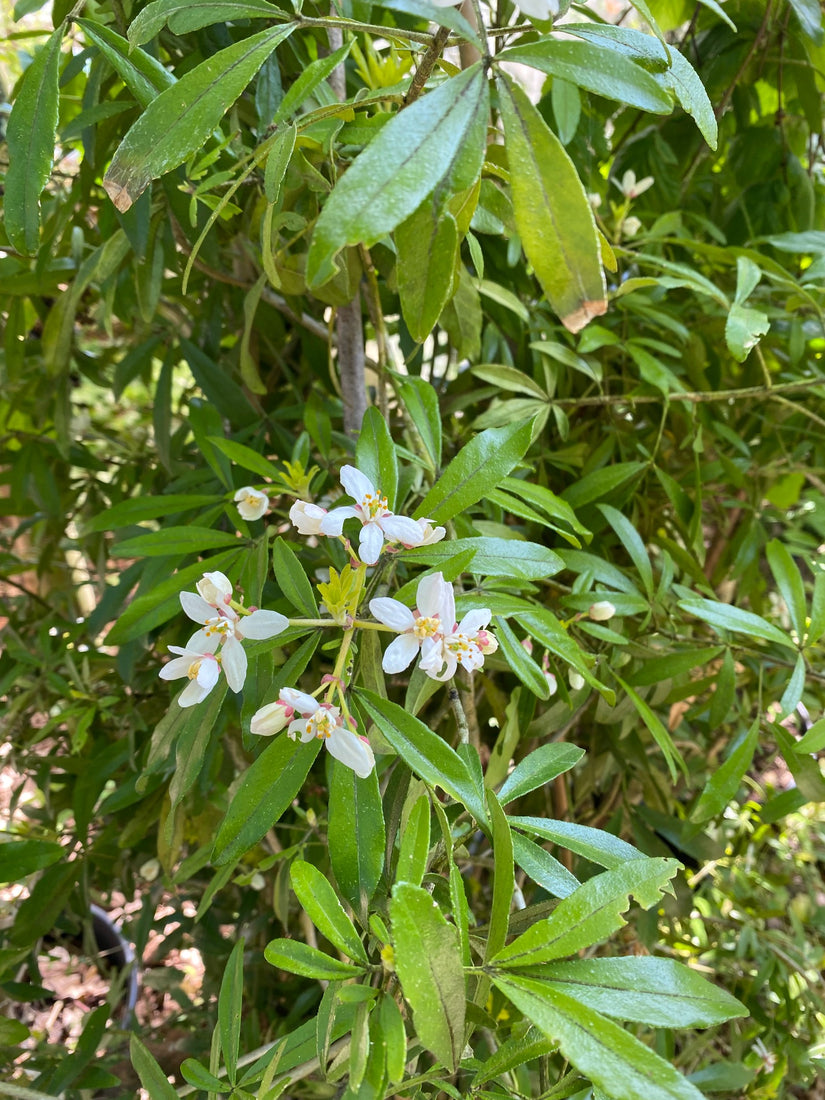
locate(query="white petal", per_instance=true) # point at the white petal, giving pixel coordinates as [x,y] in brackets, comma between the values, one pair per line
[447,609]
[299,726]
[196,607]
[392,613]
[234,663]
[428,599]
[539,9]
[177,667]
[307,517]
[400,653]
[215,588]
[370,543]
[201,642]
[475,620]
[356,484]
[208,673]
[354,753]
[298,700]
[402,529]
[262,624]
[191,694]
[268,720]
[333,522]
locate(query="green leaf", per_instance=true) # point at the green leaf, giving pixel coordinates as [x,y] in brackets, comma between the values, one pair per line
[277,162]
[546,629]
[632,542]
[443,16]
[30,134]
[508,378]
[299,958]
[656,669]
[375,455]
[140,508]
[743,328]
[493,557]
[427,755]
[595,67]
[415,844]
[543,868]
[199,1076]
[19,858]
[315,74]
[599,1049]
[724,616]
[175,540]
[182,118]
[601,483]
[724,780]
[439,140]
[591,913]
[816,627]
[553,216]
[183,16]
[540,766]
[319,900]
[503,878]
[142,74]
[151,1076]
[519,660]
[790,584]
[812,741]
[593,844]
[421,402]
[809,14]
[427,243]
[356,844]
[660,733]
[192,745]
[428,965]
[230,1007]
[292,580]
[658,992]
[247,458]
[36,914]
[265,791]
[478,467]
[394,1037]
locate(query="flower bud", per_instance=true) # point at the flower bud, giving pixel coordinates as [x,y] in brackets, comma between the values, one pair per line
[576,680]
[215,588]
[252,503]
[602,611]
[307,517]
[270,719]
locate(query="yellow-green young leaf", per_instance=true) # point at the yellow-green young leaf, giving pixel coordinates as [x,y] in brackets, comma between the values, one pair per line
[183,16]
[142,74]
[427,244]
[591,913]
[553,217]
[181,119]
[597,68]
[323,908]
[438,140]
[30,136]
[428,965]
[599,1049]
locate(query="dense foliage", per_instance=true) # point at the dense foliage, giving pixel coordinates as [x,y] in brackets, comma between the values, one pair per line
[581,853]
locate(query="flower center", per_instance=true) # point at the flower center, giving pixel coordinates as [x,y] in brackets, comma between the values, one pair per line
[460,645]
[426,627]
[374,504]
[322,723]
[193,670]
[220,626]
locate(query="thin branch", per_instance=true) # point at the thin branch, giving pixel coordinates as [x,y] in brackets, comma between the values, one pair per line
[695,398]
[428,61]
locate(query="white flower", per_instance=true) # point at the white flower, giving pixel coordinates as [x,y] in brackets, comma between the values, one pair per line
[252,503]
[575,679]
[198,663]
[326,721]
[631,226]
[631,188]
[414,627]
[307,517]
[378,522]
[533,9]
[602,611]
[270,719]
[430,534]
[552,682]
[223,624]
[215,588]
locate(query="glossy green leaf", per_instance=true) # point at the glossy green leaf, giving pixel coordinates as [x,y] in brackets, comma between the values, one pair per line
[182,16]
[591,913]
[725,616]
[816,627]
[478,467]
[428,965]
[631,540]
[265,791]
[175,540]
[292,580]
[421,402]
[140,508]
[394,1038]
[593,844]
[317,897]
[809,14]
[427,243]
[743,329]
[356,844]
[519,660]
[375,455]
[230,1008]
[415,844]
[439,140]
[595,67]
[443,16]
[426,754]
[277,162]
[567,109]
[20,857]
[553,216]
[198,1076]
[503,878]
[142,74]
[658,992]
[789,582]
[674,664]
[299,958]
[661,734]
[508,378]
[599,1049]
[725,779]
[546,629]
[30,135]
[812,741]
[542,868]
[182,118]
[315,74]
[601,483]
[493,557]
[152,1077]
[540,766]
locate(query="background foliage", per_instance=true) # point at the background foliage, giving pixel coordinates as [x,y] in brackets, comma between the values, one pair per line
[666,457]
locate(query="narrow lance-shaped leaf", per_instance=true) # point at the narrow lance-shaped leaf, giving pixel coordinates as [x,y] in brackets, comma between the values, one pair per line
[356,843]
[181,119]
[723,781]
[230,1004]
[30,136]
[553,217]
[438,140]
[316,895]
[142,74]
[183,16]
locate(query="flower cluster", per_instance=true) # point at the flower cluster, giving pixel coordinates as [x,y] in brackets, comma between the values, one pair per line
[378,523]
